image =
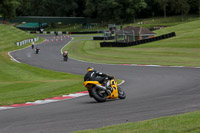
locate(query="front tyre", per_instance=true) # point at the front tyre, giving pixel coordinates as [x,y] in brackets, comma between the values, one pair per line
[65,58]
[98,94]
[122,94]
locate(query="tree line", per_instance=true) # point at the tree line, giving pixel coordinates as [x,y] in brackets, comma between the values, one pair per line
[118,11]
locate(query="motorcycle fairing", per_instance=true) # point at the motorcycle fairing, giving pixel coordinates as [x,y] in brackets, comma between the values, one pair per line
[89,84]
[114,94]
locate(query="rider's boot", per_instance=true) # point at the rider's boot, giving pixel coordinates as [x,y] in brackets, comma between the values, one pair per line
[109,89]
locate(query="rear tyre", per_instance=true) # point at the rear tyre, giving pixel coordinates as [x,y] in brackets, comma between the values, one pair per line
[122,94]
[98,95]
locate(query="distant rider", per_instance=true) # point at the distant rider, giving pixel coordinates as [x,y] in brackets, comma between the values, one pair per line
[37,50]
[65,53]
[33,45]
[93,75]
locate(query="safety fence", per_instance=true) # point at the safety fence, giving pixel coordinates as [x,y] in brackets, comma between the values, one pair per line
[63,32]
[27,41]
[49,20]
[126,44]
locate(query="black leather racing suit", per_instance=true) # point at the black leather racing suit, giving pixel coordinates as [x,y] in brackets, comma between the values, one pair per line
[97,76]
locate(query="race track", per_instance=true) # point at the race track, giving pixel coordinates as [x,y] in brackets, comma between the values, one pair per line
[151,92]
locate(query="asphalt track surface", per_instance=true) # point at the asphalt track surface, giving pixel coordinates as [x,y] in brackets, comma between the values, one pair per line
[151,92]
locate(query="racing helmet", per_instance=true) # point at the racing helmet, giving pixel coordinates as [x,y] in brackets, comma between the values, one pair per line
[90,69]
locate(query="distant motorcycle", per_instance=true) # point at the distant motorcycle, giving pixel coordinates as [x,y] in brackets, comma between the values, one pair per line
[65,58]
[65,55]
[37,50]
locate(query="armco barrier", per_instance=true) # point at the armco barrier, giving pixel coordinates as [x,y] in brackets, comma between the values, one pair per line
[126,44]
[27,41]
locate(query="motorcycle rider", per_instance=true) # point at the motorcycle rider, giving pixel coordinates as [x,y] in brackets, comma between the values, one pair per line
[32,45]
[93,75]
[65,53]
[37,50]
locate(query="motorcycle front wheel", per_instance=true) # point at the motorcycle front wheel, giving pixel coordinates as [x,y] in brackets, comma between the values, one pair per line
[65,58]
[122,94]
[98,95]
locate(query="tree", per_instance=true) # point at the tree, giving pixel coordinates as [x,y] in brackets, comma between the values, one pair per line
[104,10]
[163,4]
[180,7]
[110,10]
[194,6]
[152,9]
[91,8]
[199,7]
[80,8]
[8,8]
[135,7]
[38,8]
[24,9]
[117,11]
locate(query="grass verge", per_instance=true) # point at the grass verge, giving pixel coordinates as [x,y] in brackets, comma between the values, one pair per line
[185,123]
[182,50]
[20,83]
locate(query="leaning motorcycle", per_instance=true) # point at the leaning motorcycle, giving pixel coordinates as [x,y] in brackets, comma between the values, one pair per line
[99,92]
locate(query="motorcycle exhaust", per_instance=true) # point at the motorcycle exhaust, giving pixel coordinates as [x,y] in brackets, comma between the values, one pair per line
[101,87]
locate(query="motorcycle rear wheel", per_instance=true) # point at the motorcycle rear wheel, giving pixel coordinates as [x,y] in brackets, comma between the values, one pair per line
[122,94]
[99,97]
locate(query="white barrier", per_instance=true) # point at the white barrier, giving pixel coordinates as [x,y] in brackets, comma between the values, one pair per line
[27,41]
[50,32]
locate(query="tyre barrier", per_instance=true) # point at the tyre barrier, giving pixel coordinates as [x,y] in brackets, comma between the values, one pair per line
[27,41]
[126,44]
[103,38]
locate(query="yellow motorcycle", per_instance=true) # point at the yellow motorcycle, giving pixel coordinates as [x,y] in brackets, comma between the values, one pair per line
[100,93]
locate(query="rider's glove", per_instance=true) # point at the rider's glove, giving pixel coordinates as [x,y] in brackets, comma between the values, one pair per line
[111,77]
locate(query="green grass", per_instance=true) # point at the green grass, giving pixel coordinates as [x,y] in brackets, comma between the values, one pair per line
[185,123]
[20,83]
[182,50]
[160,21]
[10,35]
